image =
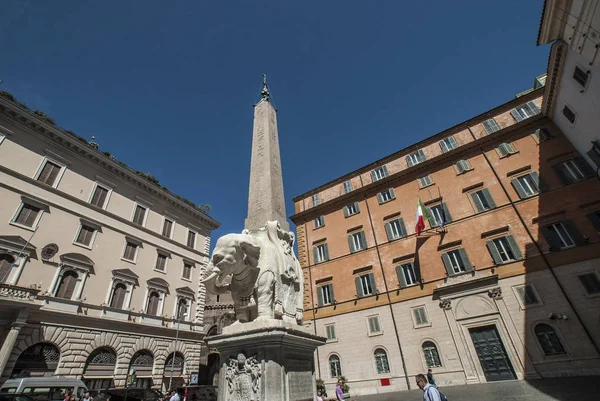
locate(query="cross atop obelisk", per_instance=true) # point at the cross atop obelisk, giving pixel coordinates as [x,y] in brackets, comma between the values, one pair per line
[265,199]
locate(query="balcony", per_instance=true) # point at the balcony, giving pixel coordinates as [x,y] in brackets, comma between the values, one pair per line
[16,293]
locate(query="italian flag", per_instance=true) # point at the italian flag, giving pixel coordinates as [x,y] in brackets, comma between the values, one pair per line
[423,213]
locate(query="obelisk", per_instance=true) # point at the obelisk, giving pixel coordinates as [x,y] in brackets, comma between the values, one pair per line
[265,198]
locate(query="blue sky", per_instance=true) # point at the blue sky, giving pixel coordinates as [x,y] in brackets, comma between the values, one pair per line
[168,87]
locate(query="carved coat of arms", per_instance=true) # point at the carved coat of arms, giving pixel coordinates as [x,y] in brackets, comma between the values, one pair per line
[243,379]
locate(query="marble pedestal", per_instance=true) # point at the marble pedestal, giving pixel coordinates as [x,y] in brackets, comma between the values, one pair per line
[279,362]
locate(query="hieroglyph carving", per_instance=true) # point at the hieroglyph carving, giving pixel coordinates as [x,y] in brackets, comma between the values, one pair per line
[243,379]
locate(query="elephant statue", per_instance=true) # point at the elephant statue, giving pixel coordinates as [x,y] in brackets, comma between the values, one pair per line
[266,281]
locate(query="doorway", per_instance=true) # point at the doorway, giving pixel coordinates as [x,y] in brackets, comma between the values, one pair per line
[492,354]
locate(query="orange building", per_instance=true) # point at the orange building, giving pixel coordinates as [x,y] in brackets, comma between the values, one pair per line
[508,288]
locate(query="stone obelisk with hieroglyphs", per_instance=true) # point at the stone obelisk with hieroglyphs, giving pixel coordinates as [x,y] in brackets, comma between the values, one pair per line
[265,198]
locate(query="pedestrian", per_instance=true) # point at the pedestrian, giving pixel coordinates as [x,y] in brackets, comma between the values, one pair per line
[319,397]
[67,395]
[72,398]
[174,396]
[339,393]
[430,393]
[430,378]
[86,397]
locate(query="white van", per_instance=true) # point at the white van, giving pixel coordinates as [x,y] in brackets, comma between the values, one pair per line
[45,388]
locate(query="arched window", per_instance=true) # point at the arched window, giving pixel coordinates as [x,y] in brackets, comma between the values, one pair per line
[143,363]
[66,286]
[335,366]
[174,364]
[432,357]
[6,262]
[40,359]
[118,296]
[100,367]
[153,299]
[182,309]
[548,339]
[381,361]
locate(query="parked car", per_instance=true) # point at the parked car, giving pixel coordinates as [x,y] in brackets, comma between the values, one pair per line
[51,388]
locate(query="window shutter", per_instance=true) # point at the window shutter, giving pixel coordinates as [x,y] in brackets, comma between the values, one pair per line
[503,150]
[459,167]
[385,172]
[453,142]
[331,293]
[519,188]
[417,270]
[70,282]
[516,115]
[351,244]
[465,165]
[372,281]
[418,317]
[552,238]
[478,204]
[376,327]
[320,295]
[594,153]
[444,146]
[533,107]
[465,259]
[536,179]
[421,155]
[379,198]
[359,290]
[363,240]
[447,212]
[402,227]
[573,232]
[357,207]
[401,278]
[595,219]
[346,211]
[584,166]
[315,254]
[562,174]
[487,126]
[494,252]
[514,247]
[409,161]
[388,231]
[447,264]
[326,252]
[373,176]
[489,198]
[392,193]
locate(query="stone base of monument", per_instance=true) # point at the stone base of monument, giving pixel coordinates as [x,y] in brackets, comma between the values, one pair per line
[266,361]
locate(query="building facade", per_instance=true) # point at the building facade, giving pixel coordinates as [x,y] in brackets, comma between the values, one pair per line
[508,288]
[572,96]
[99,265]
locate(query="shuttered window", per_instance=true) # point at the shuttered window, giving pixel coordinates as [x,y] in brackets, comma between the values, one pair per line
[351,210]
[462,166]
[187,271]
[527,295]
[420,315]
[161,262]
[379,173]
[548,339]
[152,307]
[365,285]
[49,173]
[28,215]
[85,235]
[357,241]
[66,286]
[590,283]
[506,149]
[416,158]
[594,153]
[448,144]
[395,229]
[456,262]
[504,249]
[432,357]
[315,199]
[320,253]
[490,126]
[319,221]
[542,135]
[118,296]
[440,214]
[425,181]
[6,261]
[408,274]
[167,228]
[347,186]
[191,239]
[562,235]
[569,114]
[139,215]
[99,196]
[386,196]
[325,295]
[572,170]
[483,200]
[525,111]
[130,251]
[330,331]
[527,185]
[373,323]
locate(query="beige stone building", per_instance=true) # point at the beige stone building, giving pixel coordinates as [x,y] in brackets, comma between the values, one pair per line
[99,265]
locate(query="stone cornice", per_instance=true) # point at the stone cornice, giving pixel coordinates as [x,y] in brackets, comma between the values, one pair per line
[35,125]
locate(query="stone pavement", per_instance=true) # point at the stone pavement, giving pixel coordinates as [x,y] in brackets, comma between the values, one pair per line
[558,389]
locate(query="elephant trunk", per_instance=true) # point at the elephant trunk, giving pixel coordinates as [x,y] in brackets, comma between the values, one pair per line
[210,283]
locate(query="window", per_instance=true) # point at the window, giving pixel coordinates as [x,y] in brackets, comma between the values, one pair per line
[99,196]
[483,200]
[432,357]
[379,173]
[590,283]
[440,215]
[28,215]
[357,241]
[425,181]
[525,111]
[548,339]
[462,166]
[408,274]
[85,236]
[118,296]
[187,271]
[527,295]
[330,331]
[420,316]
[66,285]
[320,253]
[6,262]
[49,172]
[580,76]
[386,196]
[527,185]
[373,324]
[191,239]
[490,126]
[325,295]
[594,153]
[448,144]
[456,262]
[416,158]
[347,186]
[506,149]
[182,309]
[167,228]
[569,114]
[381,361]
[319,221]
[152,304]
[562,235]
[130,251]
[351,210]
[595,219]
[139,216]
[542,135]
[335,366]
[365,285]
[395,229]
[315,199]
[572,170]
[161,262]
[504,249]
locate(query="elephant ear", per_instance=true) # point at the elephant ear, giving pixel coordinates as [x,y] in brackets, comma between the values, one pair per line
[251,252]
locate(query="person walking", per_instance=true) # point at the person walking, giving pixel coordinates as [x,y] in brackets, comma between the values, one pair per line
[86,397]
[430,393]
[339,393]
[174,396]
[319,396]
[430,378]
